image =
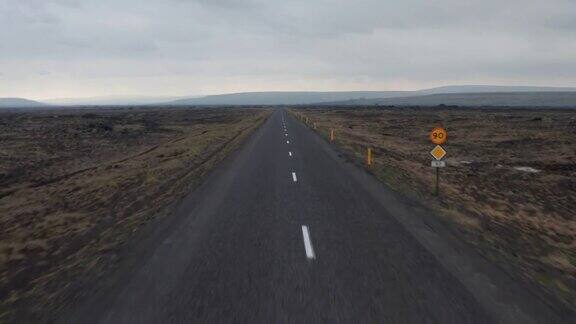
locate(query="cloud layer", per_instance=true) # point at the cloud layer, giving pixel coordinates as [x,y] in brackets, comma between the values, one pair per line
[70,48]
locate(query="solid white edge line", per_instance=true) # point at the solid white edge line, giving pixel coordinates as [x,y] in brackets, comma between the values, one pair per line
[294,177]
[308,243]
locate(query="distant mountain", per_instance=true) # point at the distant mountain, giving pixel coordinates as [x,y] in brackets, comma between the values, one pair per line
[511,99]
[19,103]
[466,95]
[285,97]
[298,98]
[111,100]
[492,89]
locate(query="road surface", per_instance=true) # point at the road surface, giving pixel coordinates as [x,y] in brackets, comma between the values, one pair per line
[287,231]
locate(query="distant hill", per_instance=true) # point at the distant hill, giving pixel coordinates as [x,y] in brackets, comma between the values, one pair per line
[466,95]
[492,89]
[111,100]
[298,98]
[511,99]
[19,103]
[286,97]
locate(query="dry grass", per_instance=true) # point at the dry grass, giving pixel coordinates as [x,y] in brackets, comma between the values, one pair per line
[510,184]
[75,185]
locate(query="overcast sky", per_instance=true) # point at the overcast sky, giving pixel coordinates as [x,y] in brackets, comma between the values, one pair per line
[73,48]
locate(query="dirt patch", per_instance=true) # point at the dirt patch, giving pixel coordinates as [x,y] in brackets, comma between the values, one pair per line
[510,183]
[75,185]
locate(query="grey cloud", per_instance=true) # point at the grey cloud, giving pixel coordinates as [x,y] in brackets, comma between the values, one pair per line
[185,47]
[565,22]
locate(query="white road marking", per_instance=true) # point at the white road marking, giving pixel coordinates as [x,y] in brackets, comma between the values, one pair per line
[308,243]
[285,134]
[289,153]
[294,176]
[287,142]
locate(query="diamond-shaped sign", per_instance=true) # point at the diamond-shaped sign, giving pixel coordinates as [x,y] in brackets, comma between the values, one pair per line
[438,152]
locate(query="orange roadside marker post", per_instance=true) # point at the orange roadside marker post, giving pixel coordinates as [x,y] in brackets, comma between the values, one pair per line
[369,156]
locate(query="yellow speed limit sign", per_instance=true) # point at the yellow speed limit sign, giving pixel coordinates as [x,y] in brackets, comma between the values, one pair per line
[438,135]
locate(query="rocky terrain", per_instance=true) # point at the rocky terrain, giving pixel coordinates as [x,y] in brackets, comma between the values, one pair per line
[75,185]
[509,185]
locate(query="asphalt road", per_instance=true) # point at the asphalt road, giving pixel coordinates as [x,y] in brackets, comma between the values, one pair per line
[287,231]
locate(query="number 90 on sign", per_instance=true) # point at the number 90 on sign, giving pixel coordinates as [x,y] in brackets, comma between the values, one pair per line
[438,135]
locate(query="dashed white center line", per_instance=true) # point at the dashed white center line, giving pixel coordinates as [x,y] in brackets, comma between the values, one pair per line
[287,142]
[285,134]
[294,176]
[308,243]
[289,153]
